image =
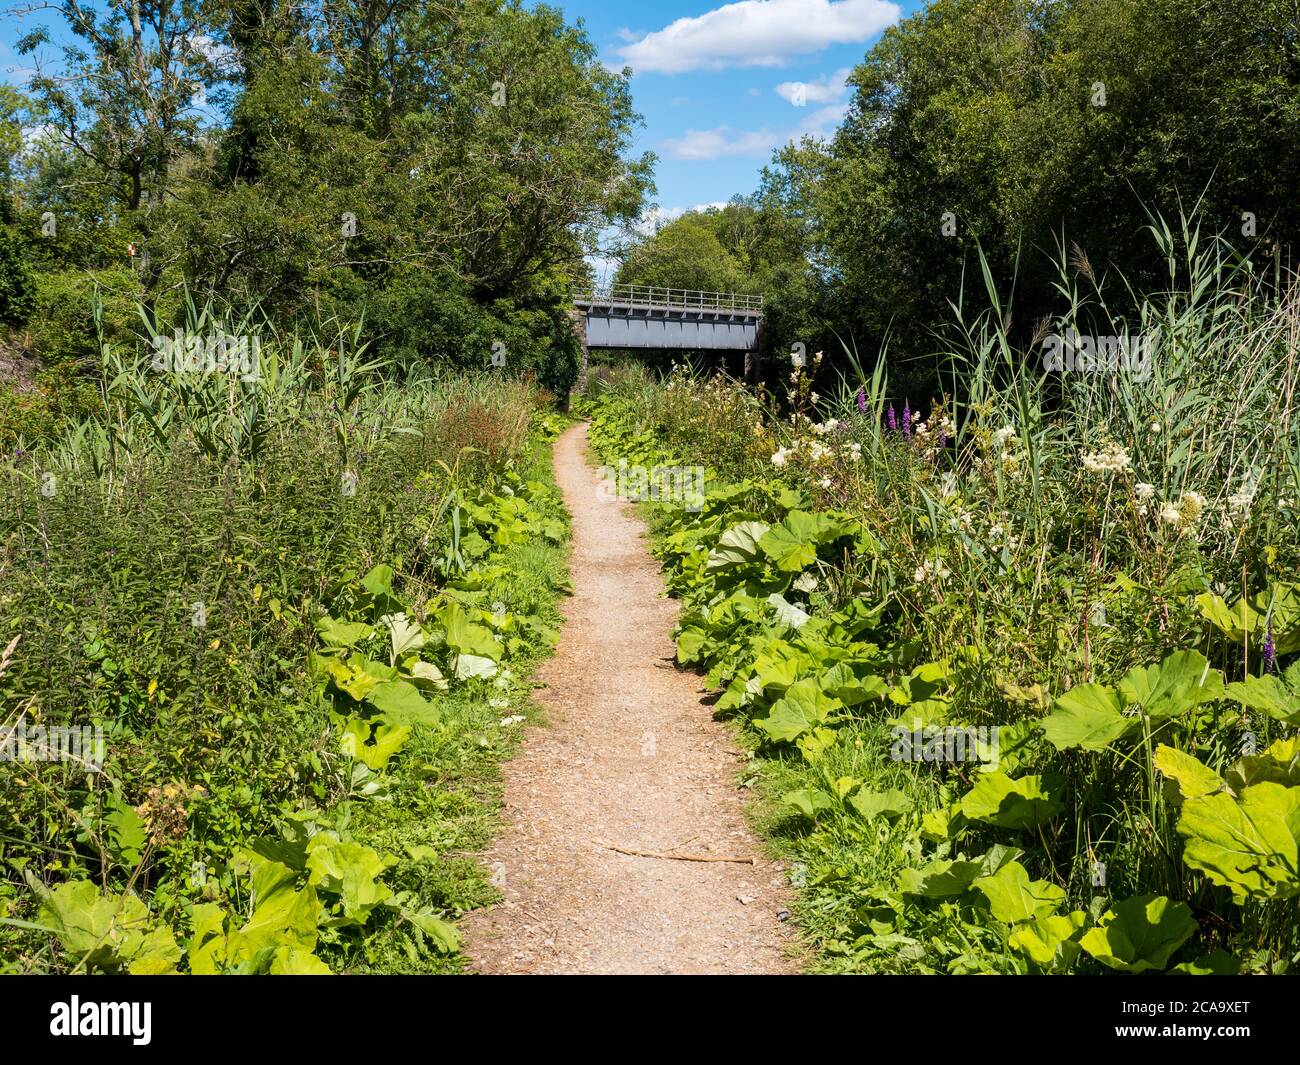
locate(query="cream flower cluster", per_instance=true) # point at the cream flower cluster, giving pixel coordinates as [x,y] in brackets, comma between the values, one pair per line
[932,570]
[1111,459]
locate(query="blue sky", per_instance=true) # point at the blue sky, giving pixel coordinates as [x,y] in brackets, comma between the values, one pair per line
[719,84]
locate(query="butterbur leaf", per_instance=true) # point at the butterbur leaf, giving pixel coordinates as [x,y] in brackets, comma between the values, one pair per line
[792,545]
[803,707]
[939,879]
[401,703]
[108,932]
[282,915]
[788,615]
[342,633]
[1050,942]
[809,801]
[1249,845]
[1014,898]
[1219,963]
[470,666]
[738,546]
[387,740]
[1140,934]
[427,676]
[379,581]
[468,637]
[1191,777]
[348,870]
[1087,716]
[292,961]
[1027,802]
[943,824]
[1279,764]
[1179,683]
[890,804]
[815,743]
[1269,695]
[405,634]
[351,679]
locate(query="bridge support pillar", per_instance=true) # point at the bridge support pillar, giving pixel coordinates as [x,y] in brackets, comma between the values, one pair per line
[751,368]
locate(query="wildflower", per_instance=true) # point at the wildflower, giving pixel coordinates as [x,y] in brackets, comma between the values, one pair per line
[825,482]
[1191,505]
[931,569]
[779,457]
[891,421]
[855,449]
[1170,516]
[1004,437]
[862,401]
[1241,500]
[907,419]
[1270,651]
[1144,492]
[1157,428]
[1114,459]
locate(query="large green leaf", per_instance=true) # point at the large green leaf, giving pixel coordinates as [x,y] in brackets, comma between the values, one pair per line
[337,633]
[1014,898]
[1140,933]
[1249,845]
[1179,683]
[1192,778]
[810,802]
[738,546]
[348,870]
[405,634]
[468,637]
[1050,942]
[1087,716]
[890,804]
[1279,764]
[940,878]
[374,743]
[1269,695]
[108,932]
[792,545]
[401,703]
[1024,803]
[803,706]
[282,915]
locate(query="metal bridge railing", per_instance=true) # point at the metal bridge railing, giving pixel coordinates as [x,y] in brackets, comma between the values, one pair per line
[652,296]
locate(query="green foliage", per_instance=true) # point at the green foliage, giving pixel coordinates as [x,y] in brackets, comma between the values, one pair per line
[1076,828]
[17,283]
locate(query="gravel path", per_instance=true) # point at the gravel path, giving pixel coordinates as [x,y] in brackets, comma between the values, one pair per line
[632,759]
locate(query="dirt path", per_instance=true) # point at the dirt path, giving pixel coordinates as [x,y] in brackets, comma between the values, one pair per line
[633,759]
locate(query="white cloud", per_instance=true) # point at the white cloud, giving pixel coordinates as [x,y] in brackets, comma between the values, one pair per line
[826,89]
[721,141]
[758,33]
[657,217]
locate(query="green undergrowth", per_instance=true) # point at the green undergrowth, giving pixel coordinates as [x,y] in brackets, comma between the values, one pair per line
[942,807]
[305,663]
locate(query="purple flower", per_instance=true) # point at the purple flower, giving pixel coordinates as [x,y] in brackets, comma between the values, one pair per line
[862,401]
[943,440]
[891,420]
[907,419]
[1270,651]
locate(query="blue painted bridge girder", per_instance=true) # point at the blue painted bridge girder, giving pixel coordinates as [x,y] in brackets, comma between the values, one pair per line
[685,321]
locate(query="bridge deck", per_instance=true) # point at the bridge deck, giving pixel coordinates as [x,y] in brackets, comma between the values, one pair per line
[642,316]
